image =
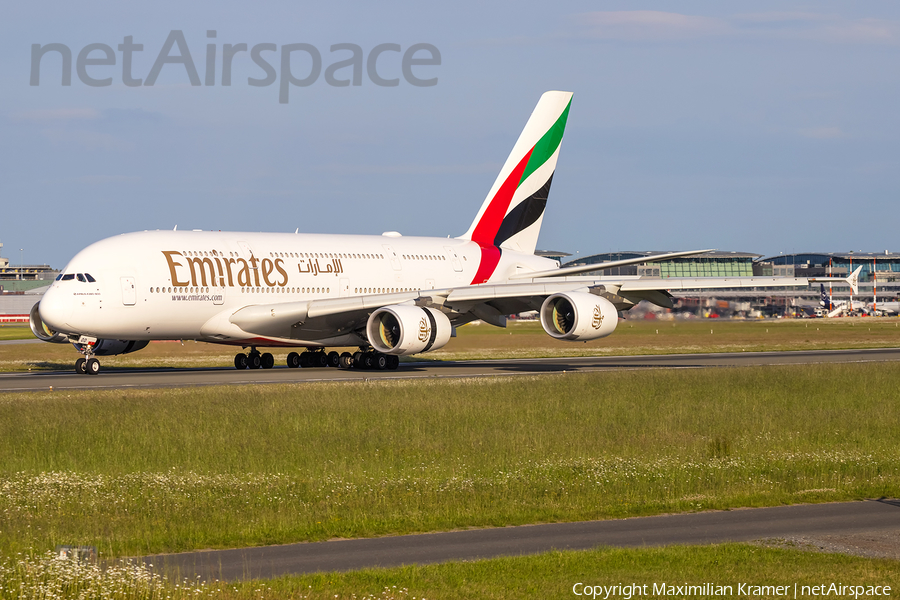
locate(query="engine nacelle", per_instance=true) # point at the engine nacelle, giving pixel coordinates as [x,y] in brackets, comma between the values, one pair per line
[113,347]
[404,330]
[578,316]
[41,331]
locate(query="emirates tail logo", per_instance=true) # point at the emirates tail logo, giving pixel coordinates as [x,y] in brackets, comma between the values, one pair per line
[597,321]
[424,330]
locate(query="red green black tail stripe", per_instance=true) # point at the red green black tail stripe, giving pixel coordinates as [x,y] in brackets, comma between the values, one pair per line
[495,225]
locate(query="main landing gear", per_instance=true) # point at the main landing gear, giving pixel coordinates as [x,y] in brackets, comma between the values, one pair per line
[254,360]
[363,359]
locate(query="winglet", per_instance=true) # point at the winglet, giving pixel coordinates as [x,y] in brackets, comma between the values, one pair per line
[853,280]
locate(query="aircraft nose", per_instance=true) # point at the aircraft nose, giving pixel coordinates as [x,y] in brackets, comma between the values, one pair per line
[54,310]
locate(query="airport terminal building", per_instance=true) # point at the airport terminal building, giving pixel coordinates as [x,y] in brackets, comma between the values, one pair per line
[711,264]
[880,273]
[21,287]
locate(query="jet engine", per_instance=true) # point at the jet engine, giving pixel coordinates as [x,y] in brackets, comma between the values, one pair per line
[41,331]
[404,330]
[113,347]
[578,316]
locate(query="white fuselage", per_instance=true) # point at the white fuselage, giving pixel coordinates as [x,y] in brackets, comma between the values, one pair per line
[167,284]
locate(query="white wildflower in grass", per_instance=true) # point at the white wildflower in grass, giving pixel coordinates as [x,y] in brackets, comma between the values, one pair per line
[46,509]
[50,577]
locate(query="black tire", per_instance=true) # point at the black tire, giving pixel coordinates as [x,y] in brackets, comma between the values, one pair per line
[346,361]
[320,359]
[92,366]
[79,366]
[306,360]
[381,361]
[240,361]
[293,360]
[393,362]
[254,361]
[334,359]
[267,361]
[357,360]
[368,360]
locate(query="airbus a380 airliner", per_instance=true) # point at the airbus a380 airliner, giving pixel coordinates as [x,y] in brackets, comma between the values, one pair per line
[389,295]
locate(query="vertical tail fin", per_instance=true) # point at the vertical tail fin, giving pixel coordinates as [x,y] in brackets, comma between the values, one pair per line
[826,298]
[512,213]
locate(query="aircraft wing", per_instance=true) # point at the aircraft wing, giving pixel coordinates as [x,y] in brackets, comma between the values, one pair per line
[489,302]
[305,319]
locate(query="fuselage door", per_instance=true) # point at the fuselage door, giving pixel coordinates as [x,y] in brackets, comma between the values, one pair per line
[454,259]
[246,250]
[129,293]
[247,253]
[395,260]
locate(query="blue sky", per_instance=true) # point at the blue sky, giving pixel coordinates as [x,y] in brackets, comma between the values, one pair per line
[753,126]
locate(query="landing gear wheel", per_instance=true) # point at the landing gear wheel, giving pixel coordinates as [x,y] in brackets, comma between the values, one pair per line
[357,360]
[346,360]
[293,360]
[381,361]
[267,361]
[334,359]
[320,359]
[92,366]
[393,362]
[240,361]
[254,361]
[368,360]
[79,366]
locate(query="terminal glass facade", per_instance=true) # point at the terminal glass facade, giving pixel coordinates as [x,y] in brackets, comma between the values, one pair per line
[707,267]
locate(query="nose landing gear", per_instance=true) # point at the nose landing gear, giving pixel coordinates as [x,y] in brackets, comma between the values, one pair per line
[87,366]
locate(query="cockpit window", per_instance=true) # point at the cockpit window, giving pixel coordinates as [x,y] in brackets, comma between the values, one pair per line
[89,278]
[58,277]
[80,277]
[68,277]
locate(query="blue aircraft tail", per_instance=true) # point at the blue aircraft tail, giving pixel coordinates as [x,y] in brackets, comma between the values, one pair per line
[826,299]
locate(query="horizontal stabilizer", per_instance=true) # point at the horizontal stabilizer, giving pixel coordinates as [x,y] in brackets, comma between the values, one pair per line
[852,280]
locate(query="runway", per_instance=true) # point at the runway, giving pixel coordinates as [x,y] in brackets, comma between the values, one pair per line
[846,520]
[182,377]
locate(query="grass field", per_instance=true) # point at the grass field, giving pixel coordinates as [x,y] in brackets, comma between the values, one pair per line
[143,471]
[137,472]
[551,575]
[518,340]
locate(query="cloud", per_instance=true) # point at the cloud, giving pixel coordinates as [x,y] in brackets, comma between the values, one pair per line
[650,25]
[821,133]
[57,114]
[106,179]
[356,169]
[86,140]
